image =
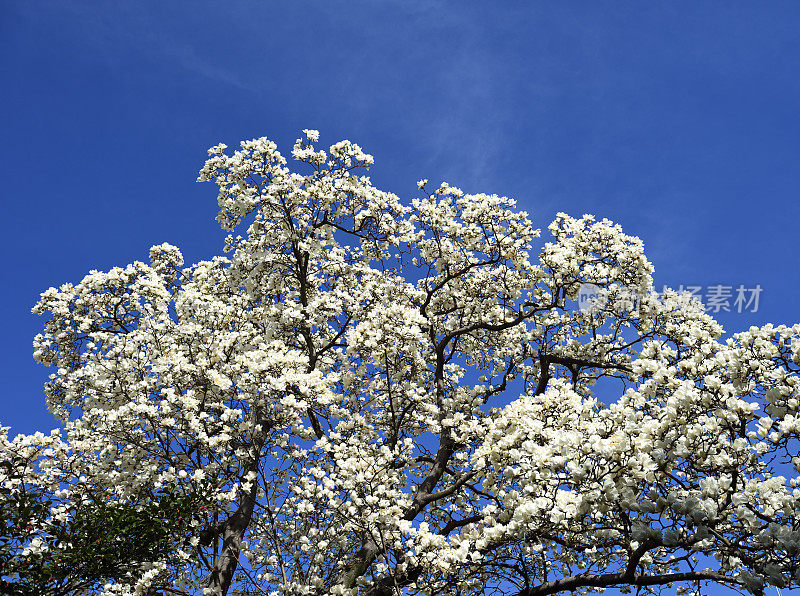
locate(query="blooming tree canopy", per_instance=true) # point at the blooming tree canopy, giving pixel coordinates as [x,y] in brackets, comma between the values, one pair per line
[376,397]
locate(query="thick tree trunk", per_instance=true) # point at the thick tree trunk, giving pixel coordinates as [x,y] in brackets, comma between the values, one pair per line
[227,561]
[234,529]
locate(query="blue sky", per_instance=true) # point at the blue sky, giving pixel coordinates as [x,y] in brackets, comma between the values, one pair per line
[678,120]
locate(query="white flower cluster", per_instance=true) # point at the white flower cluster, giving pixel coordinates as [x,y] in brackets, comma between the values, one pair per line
[378,396]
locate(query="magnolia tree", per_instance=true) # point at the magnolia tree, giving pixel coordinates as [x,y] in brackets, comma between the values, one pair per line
[376,397]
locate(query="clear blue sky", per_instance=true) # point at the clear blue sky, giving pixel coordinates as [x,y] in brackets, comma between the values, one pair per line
[679,120]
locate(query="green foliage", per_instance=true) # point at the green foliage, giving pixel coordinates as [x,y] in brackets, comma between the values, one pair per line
[97,541]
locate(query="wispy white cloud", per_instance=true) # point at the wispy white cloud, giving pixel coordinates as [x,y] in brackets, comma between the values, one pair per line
[116,30]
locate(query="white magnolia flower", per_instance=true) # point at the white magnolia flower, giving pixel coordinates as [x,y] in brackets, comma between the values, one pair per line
[370,395]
